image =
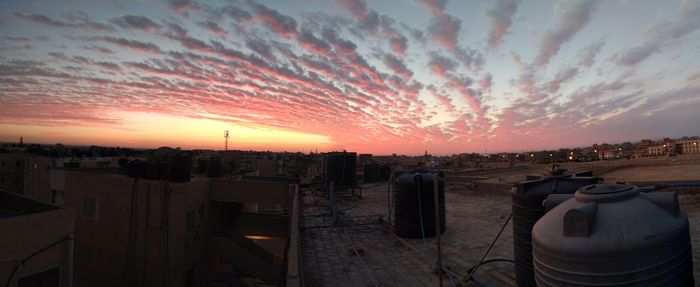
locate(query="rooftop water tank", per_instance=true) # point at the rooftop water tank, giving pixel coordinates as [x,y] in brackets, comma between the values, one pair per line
[371,172]
[341,168]
[180,168]
[385,172]
[613,235]
[136,168]
[527,198]
[414,198]
[214,168]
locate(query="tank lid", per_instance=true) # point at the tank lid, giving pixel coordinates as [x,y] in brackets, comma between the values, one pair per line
[605,192]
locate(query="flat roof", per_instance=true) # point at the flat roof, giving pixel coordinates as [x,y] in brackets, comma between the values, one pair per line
[15,205]
[361,251]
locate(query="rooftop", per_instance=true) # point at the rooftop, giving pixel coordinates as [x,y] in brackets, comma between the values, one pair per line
[16,205]
[360,250]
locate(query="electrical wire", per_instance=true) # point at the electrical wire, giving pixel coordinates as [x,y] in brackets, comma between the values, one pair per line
[493,243]
[419,180]
[490,261]
[362,260]
[12,274]
[669,185]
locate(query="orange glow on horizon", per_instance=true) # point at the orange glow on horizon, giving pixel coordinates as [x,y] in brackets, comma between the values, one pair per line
[150,130]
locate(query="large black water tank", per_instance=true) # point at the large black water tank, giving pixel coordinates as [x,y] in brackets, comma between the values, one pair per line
[406,208]
[136,168]
[341,168]
[527,197]
[371,172]
[202,166]
[180,168]
[214,168]
[612,235]
[385,172]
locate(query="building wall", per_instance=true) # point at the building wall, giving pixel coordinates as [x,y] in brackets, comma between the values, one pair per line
[27,234]
[659,150]
[12,172]
[267,167]
[36,178]
[102,256]
[690,146]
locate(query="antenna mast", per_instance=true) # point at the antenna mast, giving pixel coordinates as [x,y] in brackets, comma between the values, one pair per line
[226,142]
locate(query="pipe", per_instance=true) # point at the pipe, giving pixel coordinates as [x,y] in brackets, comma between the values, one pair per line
[71,249]
[669,185]
[334,213]
[437,225]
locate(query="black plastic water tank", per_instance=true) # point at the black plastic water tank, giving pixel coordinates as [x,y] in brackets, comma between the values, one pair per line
[612,235]
[136,168]
[406,205]
[202,166]
[385,172]
[371,172]
[180,167]
[214,168]
[527,197]
[341,168]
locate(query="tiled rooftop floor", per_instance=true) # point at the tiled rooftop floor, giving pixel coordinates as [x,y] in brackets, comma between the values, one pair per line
[473,220]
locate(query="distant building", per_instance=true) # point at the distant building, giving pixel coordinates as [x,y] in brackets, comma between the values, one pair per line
[689,146]
[36,242]
[642,148]
[658,150]
[667,147]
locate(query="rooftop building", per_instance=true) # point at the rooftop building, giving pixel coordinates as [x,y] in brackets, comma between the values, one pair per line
[205,232]
[36,246]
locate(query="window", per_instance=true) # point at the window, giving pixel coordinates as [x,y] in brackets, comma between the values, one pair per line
[89,207]
[48,278]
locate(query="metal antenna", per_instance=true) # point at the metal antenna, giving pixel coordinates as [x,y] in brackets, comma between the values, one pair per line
[226,143]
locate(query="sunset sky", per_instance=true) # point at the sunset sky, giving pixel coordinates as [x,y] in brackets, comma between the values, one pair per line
[401,76]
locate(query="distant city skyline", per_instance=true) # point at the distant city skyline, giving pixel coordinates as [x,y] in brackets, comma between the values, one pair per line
[380,77]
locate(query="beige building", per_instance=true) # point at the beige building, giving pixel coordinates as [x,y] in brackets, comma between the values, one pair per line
[12,171]
[207,232]
[667,148]
[36,243]
[689,146]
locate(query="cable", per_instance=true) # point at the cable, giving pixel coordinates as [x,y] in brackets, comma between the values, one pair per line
[669,185]
[475,268]
[145,236]
[364,264]
[419,179]
[165,223]
[338,225]
[131,237]
[490,261]
[12,274]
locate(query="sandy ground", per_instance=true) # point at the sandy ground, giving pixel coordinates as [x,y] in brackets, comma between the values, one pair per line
[655,173]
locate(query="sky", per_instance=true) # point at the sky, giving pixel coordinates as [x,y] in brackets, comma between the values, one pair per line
[399,76]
